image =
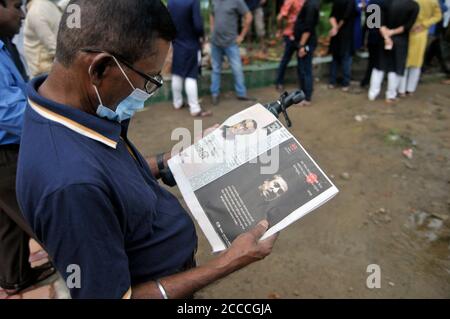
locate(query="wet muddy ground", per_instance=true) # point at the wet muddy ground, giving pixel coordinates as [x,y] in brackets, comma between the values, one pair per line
[392,210]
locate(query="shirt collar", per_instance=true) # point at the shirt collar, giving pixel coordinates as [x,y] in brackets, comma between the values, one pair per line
[96,128]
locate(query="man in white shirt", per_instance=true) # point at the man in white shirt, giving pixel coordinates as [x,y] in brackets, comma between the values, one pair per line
[41,28]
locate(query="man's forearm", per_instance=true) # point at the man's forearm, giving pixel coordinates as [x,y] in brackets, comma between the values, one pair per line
[211,23]
[280,19]
[245,250]
[187,283]
[387,33]
[247,24]
[397,31]
[333,23]
[305,38]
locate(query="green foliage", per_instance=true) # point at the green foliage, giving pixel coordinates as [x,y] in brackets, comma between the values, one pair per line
[324,26]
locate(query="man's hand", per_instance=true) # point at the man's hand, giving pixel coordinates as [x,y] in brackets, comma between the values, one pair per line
[248,18]
[418,28]
[239,39]
[333,32]
[384,32]
[248,248]
[388,43]
[279,34]
[302,52]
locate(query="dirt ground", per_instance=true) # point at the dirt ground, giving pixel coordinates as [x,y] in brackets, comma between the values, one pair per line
[391,211]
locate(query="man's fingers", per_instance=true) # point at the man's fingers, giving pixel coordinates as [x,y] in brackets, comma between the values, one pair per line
[270,240]
[260,229]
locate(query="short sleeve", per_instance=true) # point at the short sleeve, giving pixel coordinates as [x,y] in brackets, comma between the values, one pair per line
[309,18]
[197,18]
[350,10]
[12,104]
[242,7]
[286,8]
[81,230]
[334,11]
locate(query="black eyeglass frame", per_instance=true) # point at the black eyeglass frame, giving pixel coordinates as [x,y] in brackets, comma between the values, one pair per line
[156,79]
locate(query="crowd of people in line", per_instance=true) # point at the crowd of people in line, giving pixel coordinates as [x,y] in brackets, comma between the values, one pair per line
[397,48]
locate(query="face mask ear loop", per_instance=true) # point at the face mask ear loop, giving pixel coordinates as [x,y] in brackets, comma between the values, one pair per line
[95,88]
[98,94]
[121,69]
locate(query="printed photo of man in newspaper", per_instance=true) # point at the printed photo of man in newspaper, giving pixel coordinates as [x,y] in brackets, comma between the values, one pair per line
[273,188]
[246,127]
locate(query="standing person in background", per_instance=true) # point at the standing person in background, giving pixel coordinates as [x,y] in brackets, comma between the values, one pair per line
[186,62]
[256,8]
[225,41]
[429,14]
[289,13]
[398,18]
[375,45]
[305,36]
[360,6]
[342,21]
[437,33]
[19,38]
[41,29]
[16,273]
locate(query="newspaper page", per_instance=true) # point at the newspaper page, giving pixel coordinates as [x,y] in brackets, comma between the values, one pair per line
[249,169]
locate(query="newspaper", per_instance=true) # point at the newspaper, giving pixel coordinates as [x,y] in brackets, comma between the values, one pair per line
[249,169]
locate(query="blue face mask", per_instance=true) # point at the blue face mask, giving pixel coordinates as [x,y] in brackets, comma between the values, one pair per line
[128,107]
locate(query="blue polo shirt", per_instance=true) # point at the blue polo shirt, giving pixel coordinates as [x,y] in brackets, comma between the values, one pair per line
[91,199]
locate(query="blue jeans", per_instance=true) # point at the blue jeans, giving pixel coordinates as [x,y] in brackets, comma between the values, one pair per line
[305,74]
[289,49]
[345,63]
[234,57]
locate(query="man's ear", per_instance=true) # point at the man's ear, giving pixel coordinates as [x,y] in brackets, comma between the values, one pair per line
[100,67]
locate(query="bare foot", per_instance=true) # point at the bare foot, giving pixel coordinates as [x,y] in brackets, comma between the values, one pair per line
[202,113]
[391,101]
[305,103]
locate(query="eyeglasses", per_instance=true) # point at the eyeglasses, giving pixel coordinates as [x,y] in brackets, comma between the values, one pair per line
[152,82]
